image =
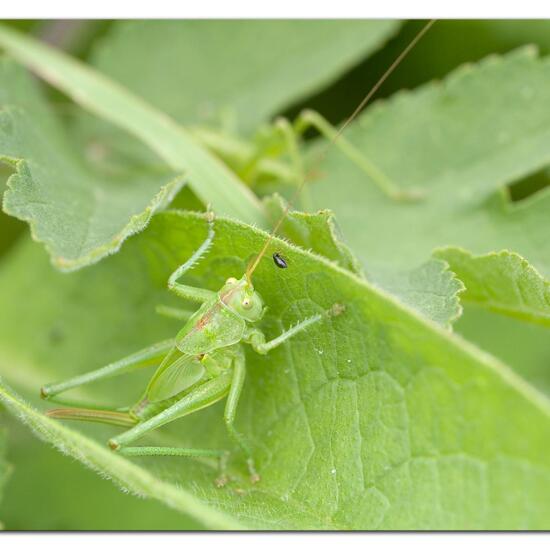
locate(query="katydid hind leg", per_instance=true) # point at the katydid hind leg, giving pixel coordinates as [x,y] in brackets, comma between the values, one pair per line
[102,416]
[201,397]
[77,404]
[184,452]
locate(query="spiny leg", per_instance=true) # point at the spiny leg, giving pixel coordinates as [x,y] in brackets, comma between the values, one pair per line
[170,451]
[192,293]
[146,357]
[309,118]
[256,338]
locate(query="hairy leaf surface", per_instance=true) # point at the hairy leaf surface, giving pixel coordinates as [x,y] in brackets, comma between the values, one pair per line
[431,288]
[80,215]
[377,418]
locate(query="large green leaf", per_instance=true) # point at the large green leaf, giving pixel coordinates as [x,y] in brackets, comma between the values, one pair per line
[79,214]
[377,418]
[460,141]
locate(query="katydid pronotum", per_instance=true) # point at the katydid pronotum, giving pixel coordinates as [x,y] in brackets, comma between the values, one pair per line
[205,362]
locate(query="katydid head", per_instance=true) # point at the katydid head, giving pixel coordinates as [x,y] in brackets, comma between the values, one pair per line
[240,297]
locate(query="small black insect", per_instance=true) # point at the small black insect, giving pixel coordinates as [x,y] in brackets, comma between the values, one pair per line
[279,261]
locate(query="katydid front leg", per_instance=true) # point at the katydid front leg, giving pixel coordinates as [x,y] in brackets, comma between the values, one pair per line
[256,338]
[193,293]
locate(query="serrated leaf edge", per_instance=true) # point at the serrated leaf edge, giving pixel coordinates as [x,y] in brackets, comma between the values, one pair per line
[505,253]
[135,224]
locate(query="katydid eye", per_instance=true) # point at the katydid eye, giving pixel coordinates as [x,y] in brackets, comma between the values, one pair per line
[231,281]
[246,303]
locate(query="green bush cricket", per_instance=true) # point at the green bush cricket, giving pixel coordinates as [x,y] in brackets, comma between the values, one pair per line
[205,362]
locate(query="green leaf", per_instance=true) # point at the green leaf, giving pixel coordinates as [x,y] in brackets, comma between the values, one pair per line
[207,175]
[431,288]
[376,419]
[501,281]
[318,232]
[460,141]
[80,215]
[252,69]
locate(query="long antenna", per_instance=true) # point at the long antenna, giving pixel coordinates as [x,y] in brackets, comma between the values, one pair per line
[330,144]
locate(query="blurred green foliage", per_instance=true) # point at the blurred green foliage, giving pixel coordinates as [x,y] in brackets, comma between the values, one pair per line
[524,347]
